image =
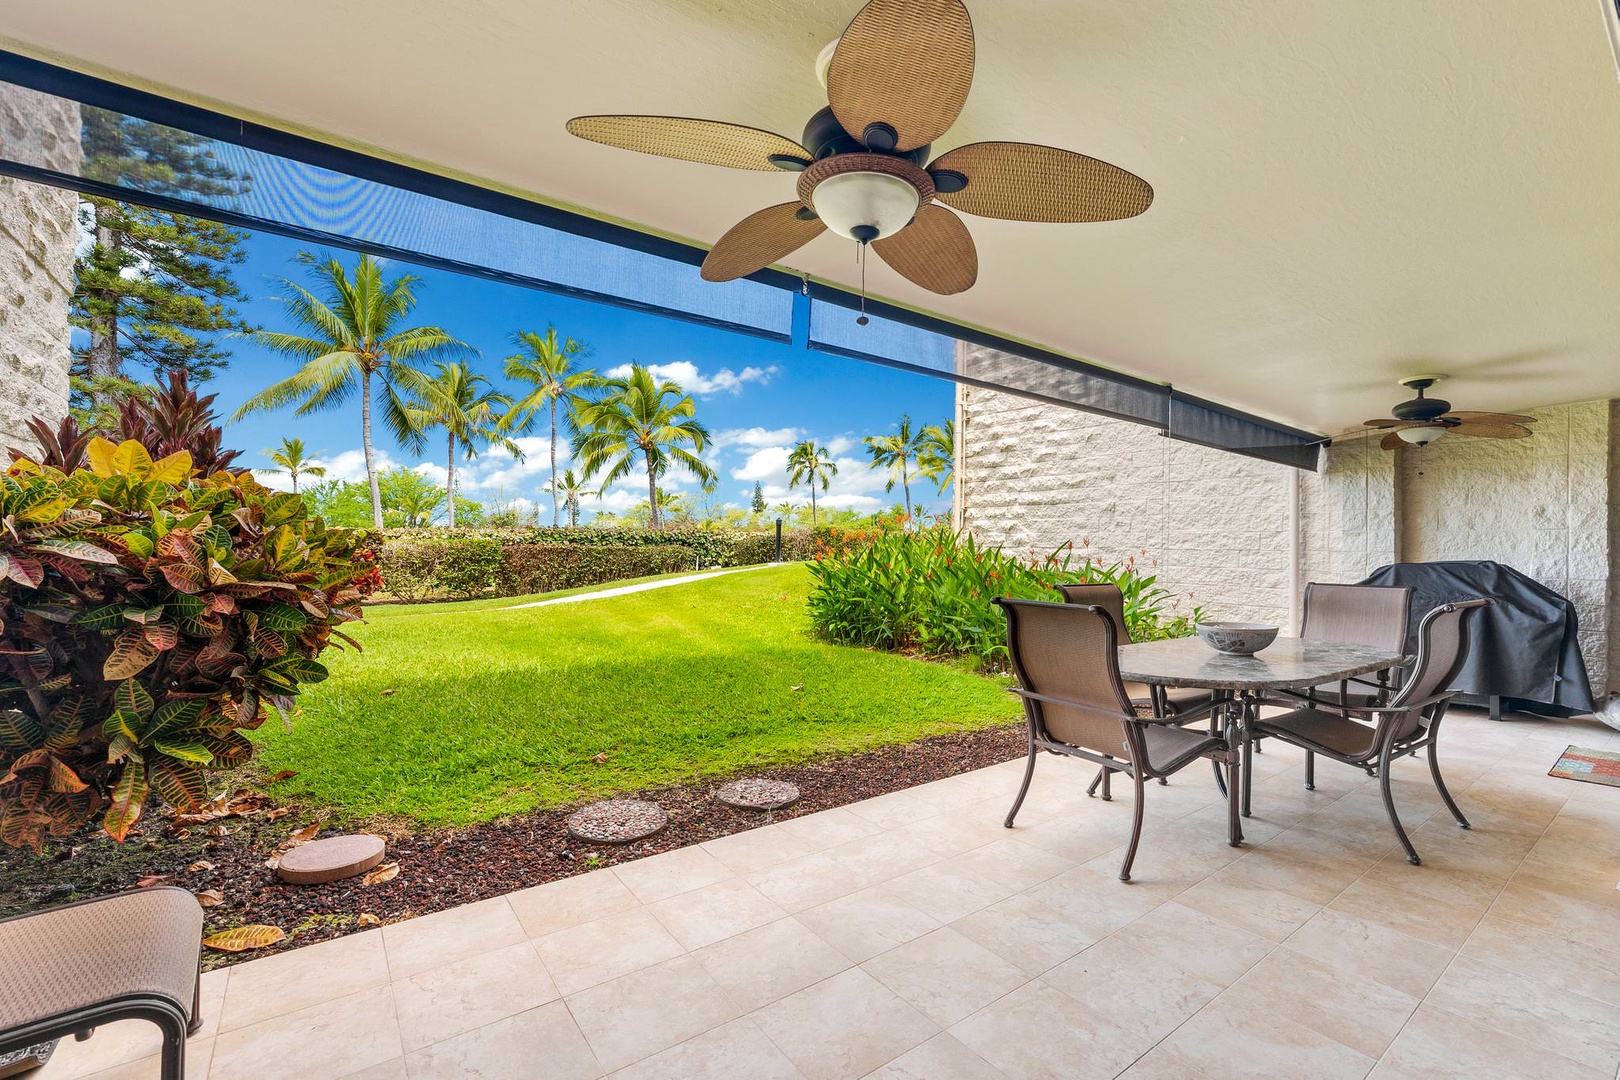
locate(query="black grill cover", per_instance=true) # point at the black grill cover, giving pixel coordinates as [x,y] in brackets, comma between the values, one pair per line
[1523,648]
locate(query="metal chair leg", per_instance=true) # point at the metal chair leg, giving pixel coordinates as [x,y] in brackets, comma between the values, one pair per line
[1389,807]
[1107,775]
[1440,785]
[1136,825]
[1096,781]
[1310,771]
[1023,789]
[1247,773]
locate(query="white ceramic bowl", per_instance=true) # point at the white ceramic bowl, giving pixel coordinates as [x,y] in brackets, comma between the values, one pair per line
[1237,638]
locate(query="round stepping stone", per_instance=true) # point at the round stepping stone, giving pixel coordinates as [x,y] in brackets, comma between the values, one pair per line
[758,794]
[332,859]
[616,821]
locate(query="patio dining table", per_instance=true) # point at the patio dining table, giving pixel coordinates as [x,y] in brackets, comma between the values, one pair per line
[1289,663]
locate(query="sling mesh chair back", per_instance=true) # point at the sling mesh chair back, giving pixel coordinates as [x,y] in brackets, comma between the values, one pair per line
[1186,702]
[1371,737]
[1375,615]
[1075,704]
[70,969]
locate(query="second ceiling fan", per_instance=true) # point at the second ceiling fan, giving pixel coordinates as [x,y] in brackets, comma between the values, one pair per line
[896,81]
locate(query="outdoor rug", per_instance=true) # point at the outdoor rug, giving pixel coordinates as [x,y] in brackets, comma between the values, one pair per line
[1592,766]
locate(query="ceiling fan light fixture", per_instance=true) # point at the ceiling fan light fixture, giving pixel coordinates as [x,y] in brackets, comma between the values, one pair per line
[865,206]
[1420,436]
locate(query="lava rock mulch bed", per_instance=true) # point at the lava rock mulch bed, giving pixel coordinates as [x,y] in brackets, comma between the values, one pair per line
[232,856]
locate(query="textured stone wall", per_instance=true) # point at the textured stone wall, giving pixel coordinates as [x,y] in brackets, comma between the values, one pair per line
[38,233]
[1033,476]
[1543,505]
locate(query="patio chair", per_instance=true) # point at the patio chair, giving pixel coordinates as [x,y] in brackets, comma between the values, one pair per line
[1068,676]
[1163,701]
[1371,737]
[131,956]
[1376,615]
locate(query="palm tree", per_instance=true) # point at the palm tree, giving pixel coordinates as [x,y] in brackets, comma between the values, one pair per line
[547,363]
[355,338]
[291,460]
[572,489]
[469,410]
[641,415]
[896,453]
[936,457]
[807,464]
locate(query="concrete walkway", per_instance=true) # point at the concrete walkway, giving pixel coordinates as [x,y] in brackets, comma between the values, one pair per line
[644,586]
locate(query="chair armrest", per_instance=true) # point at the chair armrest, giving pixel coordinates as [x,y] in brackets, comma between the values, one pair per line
[1049,700]
[1372,711]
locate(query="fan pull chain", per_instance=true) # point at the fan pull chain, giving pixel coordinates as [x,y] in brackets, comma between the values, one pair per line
[860,256]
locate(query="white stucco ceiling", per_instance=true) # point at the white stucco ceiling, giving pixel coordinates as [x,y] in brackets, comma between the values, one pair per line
[1346,192]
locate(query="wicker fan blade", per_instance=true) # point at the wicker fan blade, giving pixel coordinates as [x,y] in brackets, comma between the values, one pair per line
[1026,182]
[710,142]
[905,63]
[934,251]
[760,239]
[1482,430]
[1491,417]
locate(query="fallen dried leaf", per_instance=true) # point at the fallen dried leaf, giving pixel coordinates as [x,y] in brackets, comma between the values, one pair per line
[210,898]
[216,831]
[367,919]
[796,688]
[180,834]
[284,774]
[243,938]
[273,863]
[278,813]
[389,693]
[199,866]
[600,759]
[151,879]
[388,871]
[304,835]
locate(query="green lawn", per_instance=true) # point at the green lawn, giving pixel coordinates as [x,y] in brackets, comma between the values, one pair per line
[496,712]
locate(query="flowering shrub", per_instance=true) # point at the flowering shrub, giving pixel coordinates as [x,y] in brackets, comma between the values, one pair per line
[933,591]
[148,615]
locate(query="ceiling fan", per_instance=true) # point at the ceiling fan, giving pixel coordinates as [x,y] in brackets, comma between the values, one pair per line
[896,81]
[1422,420]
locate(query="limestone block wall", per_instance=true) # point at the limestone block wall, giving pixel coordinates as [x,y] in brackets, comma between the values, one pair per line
[1217,526]
[38,234]
[1544,505]
[1034,476]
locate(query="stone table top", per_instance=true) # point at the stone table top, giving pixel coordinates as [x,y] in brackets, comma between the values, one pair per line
[1287,663]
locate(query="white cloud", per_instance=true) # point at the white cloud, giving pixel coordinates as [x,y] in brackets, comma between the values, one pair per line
[757,437]
[841,444]
[693,381]
[768,463]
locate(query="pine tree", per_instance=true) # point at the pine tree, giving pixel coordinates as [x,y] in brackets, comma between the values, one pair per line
[153,288]
[759,498]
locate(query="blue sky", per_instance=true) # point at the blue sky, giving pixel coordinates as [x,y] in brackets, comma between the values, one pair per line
[757,397]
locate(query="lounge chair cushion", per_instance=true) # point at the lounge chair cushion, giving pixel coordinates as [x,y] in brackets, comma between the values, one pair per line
[68,958]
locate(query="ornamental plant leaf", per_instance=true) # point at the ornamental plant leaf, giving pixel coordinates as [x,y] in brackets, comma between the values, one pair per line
[82,550]
[180,782]
[171,470]
[131,654]
[19,731]
[244,938]
[64,778]
[132,698]
[185,751]
[106,617]
[128,801]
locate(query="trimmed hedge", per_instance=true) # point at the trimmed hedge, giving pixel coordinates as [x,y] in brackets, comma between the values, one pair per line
[419,564]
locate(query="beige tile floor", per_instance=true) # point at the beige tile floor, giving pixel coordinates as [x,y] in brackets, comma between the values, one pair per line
[910,936]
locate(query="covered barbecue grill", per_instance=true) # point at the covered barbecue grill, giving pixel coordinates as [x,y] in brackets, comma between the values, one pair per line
[1524,654]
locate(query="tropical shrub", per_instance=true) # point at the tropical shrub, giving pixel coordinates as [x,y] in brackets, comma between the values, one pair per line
[932,591]
[149,614]
[539,568]
[418,564]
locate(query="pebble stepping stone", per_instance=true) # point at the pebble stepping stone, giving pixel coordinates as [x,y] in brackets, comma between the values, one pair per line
[616,821]
[758,794]
[331,859]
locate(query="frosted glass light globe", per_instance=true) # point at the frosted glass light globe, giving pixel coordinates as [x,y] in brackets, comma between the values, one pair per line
[1420,436]
[865,205]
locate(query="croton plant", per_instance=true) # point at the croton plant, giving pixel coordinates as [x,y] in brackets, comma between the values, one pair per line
[150,612]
